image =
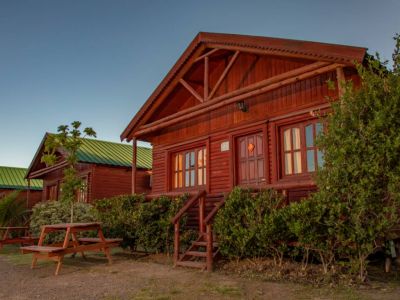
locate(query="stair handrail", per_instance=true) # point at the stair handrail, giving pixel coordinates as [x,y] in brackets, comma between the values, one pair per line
[213,212]
[187,205]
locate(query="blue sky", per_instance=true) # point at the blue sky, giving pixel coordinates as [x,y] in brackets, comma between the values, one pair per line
[97,61]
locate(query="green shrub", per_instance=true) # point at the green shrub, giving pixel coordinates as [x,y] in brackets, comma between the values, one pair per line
[142,224]
[55,212]
[117,215]
[13,211]
[252,224]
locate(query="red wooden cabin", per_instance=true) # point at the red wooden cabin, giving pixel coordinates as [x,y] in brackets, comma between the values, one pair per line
[105,168]
[13,179]
[240,110]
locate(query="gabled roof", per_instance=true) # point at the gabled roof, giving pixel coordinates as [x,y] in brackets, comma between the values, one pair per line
[104,153]
[14,178]
[343,54]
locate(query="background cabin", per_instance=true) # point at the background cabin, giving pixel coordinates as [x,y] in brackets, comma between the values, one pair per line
[105,168]
[244,111]
[13,179]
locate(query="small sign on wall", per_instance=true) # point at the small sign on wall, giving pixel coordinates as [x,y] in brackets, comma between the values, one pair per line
[225,146]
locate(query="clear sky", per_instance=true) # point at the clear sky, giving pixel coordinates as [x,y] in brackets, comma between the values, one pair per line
[97,61]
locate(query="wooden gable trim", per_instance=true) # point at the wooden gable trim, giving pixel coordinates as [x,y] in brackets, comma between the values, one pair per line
[342,54]
[47,169]
[241,94]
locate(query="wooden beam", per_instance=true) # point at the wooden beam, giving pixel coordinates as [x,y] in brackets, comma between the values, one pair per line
[191,90]
[224,73]
[206,54]
[205,78]
[268,85]
[341,79]
[248,88]
[134,156]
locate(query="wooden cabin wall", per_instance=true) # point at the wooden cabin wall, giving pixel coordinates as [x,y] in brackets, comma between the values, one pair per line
[35,196]
[223,124]
[108,181]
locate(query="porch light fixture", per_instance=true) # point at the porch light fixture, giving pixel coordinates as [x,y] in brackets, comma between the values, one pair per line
[242,106]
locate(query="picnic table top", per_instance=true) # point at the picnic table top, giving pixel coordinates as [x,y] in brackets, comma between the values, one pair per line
[72,225]
[13,227]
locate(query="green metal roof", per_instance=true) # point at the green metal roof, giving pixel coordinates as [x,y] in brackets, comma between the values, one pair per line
[14,178]
[116,154]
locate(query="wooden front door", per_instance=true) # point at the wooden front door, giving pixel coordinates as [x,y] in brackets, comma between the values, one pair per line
[250,159]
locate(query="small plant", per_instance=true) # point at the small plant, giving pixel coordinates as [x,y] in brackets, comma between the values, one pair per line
[68,140]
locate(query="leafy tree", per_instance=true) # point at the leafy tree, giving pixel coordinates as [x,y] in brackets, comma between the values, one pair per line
[359,184]
[68,141]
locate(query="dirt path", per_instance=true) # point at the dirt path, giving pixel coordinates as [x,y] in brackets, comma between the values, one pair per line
[141,279]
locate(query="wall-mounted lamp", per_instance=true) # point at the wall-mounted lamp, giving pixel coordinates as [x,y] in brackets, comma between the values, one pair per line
[242,106]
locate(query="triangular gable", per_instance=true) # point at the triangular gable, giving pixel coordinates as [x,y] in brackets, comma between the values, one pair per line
[182,81]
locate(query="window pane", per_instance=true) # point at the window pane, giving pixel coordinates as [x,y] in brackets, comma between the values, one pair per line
[309,136]
[310,161]
[187,160]
[176,180]
[192,178]
[180,179]
[205,176]
[200,176]
[286,140]
[192,160]
[180,158]
[205,156]
[288,164]
[296,138]
[176,162]
[200,158]
[297,162]
[318,128]
[320,157]
[187,179]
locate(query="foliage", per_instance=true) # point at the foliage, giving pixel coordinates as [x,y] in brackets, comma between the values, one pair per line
[252,224]
[55,212]
[142,224]
[13,211]
[67,140]
[117,217]
[358,186]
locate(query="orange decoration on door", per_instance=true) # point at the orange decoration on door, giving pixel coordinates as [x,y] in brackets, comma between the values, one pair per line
[250,147]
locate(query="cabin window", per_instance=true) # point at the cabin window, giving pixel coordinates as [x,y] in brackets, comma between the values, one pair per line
[82,194]
[190,168]
[299,151]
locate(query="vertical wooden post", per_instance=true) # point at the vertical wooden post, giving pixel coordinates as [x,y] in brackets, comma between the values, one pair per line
[134,155]
[206,78]
[28,192]
[340,80]
[201,214]
[176,242]
[209,248]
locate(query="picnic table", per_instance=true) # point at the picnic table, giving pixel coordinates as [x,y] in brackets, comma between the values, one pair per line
[7,237]
[72,243]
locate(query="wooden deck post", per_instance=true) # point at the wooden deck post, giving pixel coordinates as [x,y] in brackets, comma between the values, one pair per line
[209,248]
[28,192]
[176,242]
[340,80]
[134,152]
[201,214]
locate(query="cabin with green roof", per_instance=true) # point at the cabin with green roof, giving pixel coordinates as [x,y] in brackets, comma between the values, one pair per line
[105,167]
[13,179]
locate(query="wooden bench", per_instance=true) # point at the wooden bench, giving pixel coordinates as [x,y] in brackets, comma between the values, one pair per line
[72,244]
[26,239]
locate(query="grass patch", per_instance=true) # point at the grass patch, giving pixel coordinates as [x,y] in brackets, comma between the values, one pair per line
[222,289]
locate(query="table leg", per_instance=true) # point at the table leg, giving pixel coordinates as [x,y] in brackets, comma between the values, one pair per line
[108,255]
[76,243]
[34,260]
[59,263]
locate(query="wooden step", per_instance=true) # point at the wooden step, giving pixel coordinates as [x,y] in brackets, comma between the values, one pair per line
[191,264]
[204,244]
[196,253]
